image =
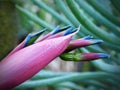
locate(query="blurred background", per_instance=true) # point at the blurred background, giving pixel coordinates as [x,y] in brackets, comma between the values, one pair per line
[99,18]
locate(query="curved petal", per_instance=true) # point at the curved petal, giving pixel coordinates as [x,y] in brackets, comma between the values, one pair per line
[25,41]
[57,32]
[82,43]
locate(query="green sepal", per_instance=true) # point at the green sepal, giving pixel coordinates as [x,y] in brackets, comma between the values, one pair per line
[70,56]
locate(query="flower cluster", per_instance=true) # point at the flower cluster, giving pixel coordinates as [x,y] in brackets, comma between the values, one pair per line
[27,59]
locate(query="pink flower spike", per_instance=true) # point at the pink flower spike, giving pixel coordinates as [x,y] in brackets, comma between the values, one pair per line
[23,64]
[93,56]
[82,56]
[81,43]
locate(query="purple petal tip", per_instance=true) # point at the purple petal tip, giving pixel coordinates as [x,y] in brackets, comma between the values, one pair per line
[32,35]
[97,41]
[65,28]
[27,40]
[38,33]
[67,32]
[70,31]
[103,55]
[56,30]
[88,37]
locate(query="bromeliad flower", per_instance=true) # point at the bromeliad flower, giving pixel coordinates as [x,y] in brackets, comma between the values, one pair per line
[82,57]
[26,60]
